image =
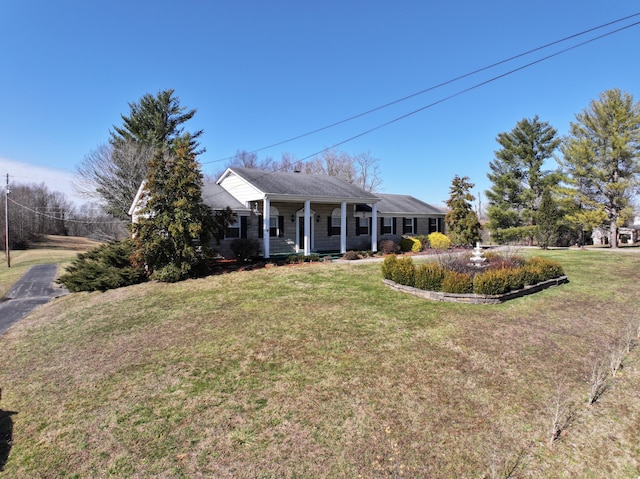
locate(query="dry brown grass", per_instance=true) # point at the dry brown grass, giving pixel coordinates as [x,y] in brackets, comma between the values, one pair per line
[320,371]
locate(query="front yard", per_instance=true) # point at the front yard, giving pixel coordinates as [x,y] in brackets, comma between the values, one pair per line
[321,371]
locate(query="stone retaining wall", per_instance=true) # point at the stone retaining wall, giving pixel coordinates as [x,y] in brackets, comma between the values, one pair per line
[476,298]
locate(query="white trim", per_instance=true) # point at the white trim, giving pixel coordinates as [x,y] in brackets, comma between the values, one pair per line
[266,237]
[343,227]
[374,228]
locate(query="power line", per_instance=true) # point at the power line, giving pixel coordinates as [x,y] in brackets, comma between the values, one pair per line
[442,84]
[461,92]
[466,90]
[69,220]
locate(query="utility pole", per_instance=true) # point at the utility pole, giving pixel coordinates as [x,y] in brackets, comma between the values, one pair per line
[6,223]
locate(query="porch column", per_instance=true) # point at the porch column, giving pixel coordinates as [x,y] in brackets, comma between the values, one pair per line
[374,228]
[265,226]
[343,227]
[307,228]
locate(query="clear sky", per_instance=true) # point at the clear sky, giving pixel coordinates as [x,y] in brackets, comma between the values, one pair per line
[259,72]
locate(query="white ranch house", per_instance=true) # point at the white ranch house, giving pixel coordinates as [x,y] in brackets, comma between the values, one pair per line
[297,213]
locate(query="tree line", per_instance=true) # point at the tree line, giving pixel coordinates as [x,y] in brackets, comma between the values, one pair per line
[34,211]
[594,183]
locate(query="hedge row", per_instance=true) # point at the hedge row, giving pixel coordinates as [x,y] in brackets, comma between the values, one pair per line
[491,281]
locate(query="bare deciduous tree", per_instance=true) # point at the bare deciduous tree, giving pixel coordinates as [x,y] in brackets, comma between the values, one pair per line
[112,175]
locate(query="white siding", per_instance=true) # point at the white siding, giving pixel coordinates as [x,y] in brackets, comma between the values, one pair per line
[240,189]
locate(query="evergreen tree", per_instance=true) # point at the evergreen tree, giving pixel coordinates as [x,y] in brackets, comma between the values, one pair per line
[462,222]
[172,236]
[602,160]
[517,174]
[112,173]
[156,121]
[548,219]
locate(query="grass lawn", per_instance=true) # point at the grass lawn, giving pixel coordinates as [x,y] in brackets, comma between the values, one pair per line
[320,371]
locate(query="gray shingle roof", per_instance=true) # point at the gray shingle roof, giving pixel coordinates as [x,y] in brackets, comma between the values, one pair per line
[405,205]
[298,185]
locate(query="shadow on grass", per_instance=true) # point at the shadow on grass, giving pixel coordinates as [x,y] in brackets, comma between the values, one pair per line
[6,436]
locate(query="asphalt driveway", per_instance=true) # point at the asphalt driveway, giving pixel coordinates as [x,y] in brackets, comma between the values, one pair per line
[32,290]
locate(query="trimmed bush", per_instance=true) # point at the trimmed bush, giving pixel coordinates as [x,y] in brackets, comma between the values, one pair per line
[404,272]
[388,265]
[457,283]
[389,247]
[494,281]
[549,269]
[429,277]
[410,243]
[439,241]
[244,248]
[350,255]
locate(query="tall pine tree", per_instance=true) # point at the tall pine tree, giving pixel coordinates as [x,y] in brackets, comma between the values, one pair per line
[548,219]
[602,161]
[518,176]
[463,227]
[172,236]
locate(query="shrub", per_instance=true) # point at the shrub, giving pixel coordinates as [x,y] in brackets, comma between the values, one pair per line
[312,258]
[531,274]
[429,276]
[404,272]
[516,234]
[424,239]
[350,256]
[106,267]
[496,281]
[244,248]
[549,269]
[388,265]
[458,283]
[410,243]
[439,241]
[170,273]
[389,247]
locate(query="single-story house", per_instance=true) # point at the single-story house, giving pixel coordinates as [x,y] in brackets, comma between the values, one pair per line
[298,213]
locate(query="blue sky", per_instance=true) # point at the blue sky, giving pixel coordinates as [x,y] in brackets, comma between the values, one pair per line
[261,72]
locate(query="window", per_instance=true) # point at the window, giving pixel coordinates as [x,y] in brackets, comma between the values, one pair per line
[335,222]
[387,226]
[436,224]
[409,225]
[233,230]
[362,225]
[276,224]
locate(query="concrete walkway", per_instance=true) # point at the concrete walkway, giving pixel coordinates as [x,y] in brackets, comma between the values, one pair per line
[32,290]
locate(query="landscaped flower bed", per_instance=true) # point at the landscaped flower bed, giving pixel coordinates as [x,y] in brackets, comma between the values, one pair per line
[458,279]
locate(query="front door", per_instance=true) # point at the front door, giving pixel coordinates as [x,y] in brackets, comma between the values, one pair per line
[300,233]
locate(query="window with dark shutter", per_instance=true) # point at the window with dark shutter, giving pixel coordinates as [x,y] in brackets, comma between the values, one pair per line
[243,227]
[233,230]
[281,226]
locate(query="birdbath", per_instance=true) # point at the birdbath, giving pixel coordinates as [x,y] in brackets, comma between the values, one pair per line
[477,258]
